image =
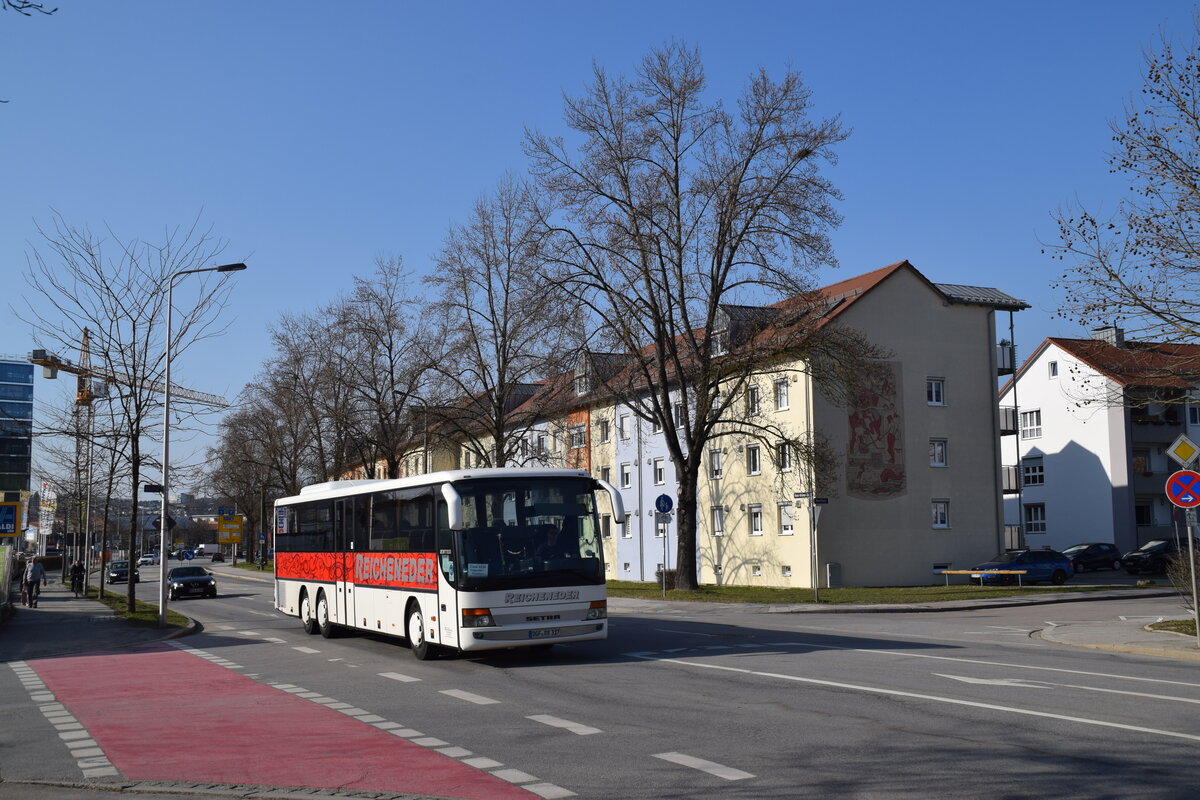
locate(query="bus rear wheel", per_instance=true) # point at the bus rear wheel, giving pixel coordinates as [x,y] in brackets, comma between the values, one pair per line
[306,615]
[414,628]
[328,630]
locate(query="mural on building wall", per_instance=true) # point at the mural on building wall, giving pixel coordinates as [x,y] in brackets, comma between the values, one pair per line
[875,453]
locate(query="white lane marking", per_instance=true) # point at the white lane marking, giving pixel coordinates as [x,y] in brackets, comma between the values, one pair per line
[305,650]
[482,763]
[936,699]
[396,676]
[548,790]
[1031,684]
[906,654]
[711,767]
[274,640]
[258,613]
[573,727]
[469,697]
[995,681]
[250,633]
[514,776]
[430,741]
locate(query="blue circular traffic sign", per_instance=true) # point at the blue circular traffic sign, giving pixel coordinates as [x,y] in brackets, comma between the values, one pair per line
[1183,488]
[664,503]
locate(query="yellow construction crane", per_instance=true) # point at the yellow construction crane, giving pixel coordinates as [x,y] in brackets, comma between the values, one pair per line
[87,376]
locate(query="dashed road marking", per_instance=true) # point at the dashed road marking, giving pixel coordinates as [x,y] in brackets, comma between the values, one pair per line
[469,697]
[396,676]
[573,727]
[711,767]
[305,650]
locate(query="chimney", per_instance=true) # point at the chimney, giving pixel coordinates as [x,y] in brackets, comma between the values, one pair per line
[1111,334]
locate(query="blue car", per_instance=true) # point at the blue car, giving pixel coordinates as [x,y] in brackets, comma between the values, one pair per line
[1039,565]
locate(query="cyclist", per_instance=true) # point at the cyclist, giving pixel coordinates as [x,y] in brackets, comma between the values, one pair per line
[77,578]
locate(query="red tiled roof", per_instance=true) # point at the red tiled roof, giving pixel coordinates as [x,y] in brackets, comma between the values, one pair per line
[1138,363]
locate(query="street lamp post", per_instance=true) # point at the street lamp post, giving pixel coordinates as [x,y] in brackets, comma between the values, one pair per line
[166,449]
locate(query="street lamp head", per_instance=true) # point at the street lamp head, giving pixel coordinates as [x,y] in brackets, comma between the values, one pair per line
[231,268]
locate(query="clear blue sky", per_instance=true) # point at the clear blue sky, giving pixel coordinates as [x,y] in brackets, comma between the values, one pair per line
[316,136]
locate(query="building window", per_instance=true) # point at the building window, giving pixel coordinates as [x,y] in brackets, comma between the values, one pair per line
[786,571]
[935,391]
[756,520]
[606,474]
[581,385]
[660,472]
[626,566]
[941,513]
[626,476]
[623,426]
[576,438]
[718,521]
[604,430]
[1193,414]
[678,415]
[783,453]
[1032,472]
[1052,369]
[787,519]
[714,464]
[1031,424]
[606,526]
[752,401]
[781,394]
[656,425]
[753,460]
[540,445]
[937,453]
[756,570]
[1143,513]
[627,525]
[1035,518]
[466,459]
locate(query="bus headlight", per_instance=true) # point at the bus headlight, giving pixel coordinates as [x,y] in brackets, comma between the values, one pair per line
[598,609]
[478,618]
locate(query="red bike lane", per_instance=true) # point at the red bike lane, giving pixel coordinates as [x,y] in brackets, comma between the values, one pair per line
[199,721]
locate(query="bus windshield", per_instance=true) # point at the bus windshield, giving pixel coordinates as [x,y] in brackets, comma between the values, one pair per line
[541,533]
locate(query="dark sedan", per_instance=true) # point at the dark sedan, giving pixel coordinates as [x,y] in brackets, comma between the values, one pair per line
[1094,555]
[188,581]
[118,572]
[1153,556]
[1038,565]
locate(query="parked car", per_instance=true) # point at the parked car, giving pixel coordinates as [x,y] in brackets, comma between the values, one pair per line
[1039,565]
[1152,556]
[191,581]
[118,572]
[1094,555]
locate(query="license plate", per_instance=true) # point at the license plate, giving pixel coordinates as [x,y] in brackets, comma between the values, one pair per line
[543,633]
[976,575]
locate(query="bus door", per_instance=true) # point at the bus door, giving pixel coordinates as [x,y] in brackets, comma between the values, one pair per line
[344,531]
[447,596]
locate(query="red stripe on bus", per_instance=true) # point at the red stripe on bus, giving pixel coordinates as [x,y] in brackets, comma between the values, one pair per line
[398,570]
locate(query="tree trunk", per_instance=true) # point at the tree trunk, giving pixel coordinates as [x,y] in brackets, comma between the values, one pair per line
[685,557]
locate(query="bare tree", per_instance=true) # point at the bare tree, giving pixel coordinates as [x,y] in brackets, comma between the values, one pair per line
[1140,268]
[26,7]
[504,328]
[672,211]
[117,290]
[382,359]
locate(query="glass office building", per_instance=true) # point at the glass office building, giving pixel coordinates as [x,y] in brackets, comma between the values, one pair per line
[16,427]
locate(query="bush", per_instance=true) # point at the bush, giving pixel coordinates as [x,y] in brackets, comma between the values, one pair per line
[658,578]
[1180,575]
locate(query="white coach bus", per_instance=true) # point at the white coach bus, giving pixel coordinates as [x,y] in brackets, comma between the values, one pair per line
[463,560]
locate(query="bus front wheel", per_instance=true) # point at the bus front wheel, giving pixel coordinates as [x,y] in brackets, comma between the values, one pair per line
[414,627]
[306,615]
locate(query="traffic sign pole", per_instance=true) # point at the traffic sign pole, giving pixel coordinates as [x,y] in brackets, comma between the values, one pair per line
[1183,490]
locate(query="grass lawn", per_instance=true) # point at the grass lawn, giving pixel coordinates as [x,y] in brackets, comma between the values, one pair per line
[1185,626]
[145,614]
[876,594]
[252,566]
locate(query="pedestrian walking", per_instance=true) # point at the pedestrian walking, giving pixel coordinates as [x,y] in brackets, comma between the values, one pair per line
[33,581]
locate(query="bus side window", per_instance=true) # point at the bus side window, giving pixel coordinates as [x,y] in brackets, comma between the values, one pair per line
[445,548]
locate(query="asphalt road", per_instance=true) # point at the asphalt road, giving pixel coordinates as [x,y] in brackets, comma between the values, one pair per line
[725,702]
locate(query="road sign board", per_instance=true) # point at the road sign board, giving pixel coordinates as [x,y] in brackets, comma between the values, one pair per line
[664,503]
[821,501]
[1184,450]
[229,529]
[801,495]
[1183,488]
[662,517]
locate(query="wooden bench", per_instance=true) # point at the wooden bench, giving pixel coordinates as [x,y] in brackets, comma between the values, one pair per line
[981,573]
